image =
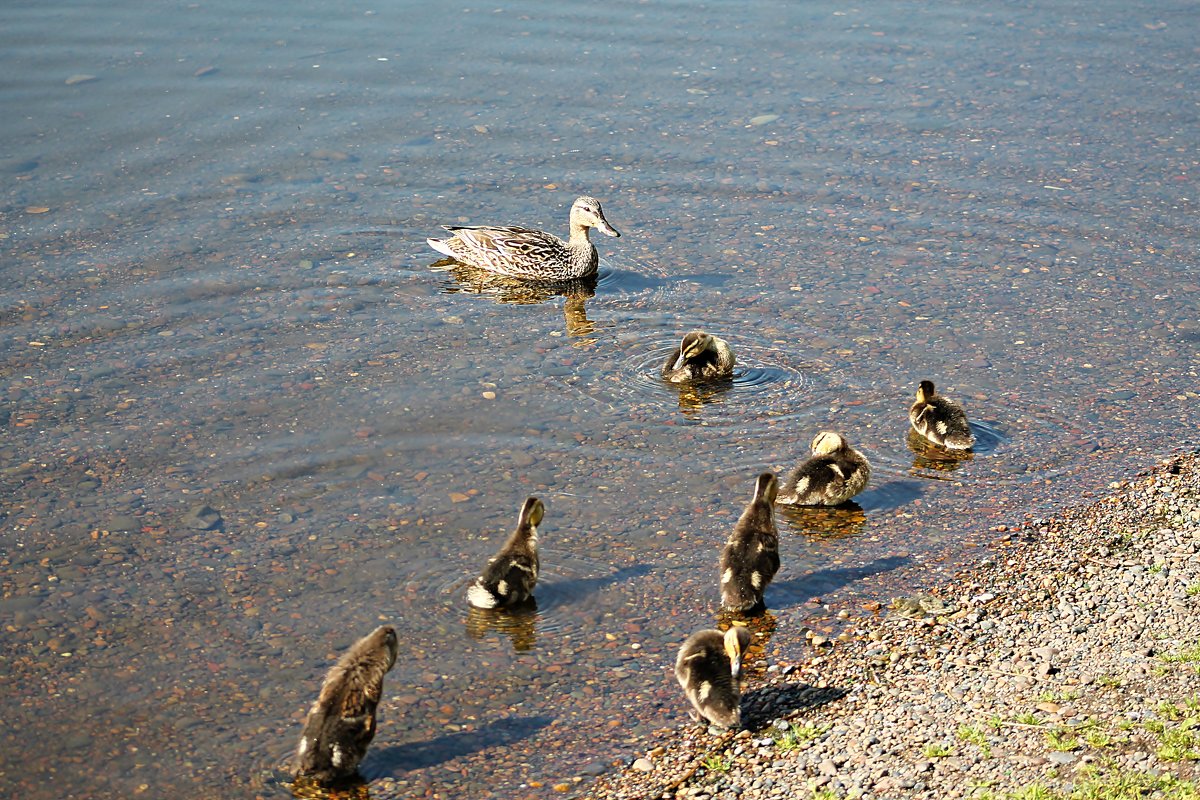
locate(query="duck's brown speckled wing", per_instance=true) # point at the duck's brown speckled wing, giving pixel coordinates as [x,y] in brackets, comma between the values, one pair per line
[502,248]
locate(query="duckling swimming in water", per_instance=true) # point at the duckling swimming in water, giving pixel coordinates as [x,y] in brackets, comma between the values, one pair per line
[509,577]
[341,723]
[707,668]
[700,357]
[751,556]
[835,473]
[528,253]
[940,420]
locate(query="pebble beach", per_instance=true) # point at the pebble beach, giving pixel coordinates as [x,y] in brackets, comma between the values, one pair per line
[1065,665]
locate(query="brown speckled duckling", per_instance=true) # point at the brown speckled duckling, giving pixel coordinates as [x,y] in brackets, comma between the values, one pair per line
[341,723]
[510,576]
[700,357]
[751,556]
[835,473]
[707,668]
[940,419]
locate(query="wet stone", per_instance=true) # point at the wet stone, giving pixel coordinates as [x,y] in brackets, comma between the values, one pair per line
[202,518]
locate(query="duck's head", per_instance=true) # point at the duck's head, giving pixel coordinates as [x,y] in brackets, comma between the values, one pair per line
[827,442]
[531,513]
[384,637]
[737,640]
[587,212]
[766,488]
[694,344]
[925,391]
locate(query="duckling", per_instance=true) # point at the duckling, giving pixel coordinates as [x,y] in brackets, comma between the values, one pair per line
[751,556]
[707,668]
[701,357]
[528,253]
[509,577]
[940,420]
[341,723]
[835,473]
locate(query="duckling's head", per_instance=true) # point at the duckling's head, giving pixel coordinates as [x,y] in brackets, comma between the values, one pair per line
[925,391]
[384,638]
[531,513]
[694,346]
[827,442]
[766,488]
[737,640]
[587,212]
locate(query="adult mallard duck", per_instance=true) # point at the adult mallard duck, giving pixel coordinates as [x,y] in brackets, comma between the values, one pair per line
[835,473]
[700,357]
[341,723]
[707,668]
[528,253]
[751,556]
[510,576]
[940,419]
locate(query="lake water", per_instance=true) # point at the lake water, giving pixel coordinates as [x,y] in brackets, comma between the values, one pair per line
[245,420]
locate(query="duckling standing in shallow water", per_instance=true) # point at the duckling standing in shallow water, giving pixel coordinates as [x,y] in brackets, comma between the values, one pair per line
[751,556]
[940,419]
[835,473]
[528,253]
[700,357]
[509,577]
[341,723]
[707,668]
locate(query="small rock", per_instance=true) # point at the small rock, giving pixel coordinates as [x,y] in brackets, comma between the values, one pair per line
[643,765]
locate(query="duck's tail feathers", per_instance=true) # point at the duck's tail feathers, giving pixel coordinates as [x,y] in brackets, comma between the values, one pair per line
[480,597]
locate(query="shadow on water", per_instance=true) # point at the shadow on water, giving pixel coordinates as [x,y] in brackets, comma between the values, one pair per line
[797,591]
[390,761]
[560,593]
[988,437]
[892,494]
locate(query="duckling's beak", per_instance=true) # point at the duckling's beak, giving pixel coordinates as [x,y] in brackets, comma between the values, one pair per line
[678,361]
[608,230]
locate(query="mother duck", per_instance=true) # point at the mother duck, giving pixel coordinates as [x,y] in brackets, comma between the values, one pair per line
[528,253]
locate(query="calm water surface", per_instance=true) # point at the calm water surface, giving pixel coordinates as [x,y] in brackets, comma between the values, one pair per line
[244,419]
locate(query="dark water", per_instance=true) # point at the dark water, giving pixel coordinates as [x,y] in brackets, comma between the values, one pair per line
[216,297]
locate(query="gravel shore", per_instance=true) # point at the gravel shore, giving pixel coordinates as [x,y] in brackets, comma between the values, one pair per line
[1067,665]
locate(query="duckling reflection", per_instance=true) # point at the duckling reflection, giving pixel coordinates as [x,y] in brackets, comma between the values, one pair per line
[929,456]
[825,522]
[694,396]
[354,788]
[518,623]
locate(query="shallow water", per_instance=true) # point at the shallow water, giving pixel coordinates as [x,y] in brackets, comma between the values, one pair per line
[217,294]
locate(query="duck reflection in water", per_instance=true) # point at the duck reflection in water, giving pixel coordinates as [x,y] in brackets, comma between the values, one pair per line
[518,623]
[929,456]
[505,289]
[694,396]
[825,522]
[354,788]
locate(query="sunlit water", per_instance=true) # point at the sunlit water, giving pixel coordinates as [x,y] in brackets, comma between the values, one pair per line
[217,298]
